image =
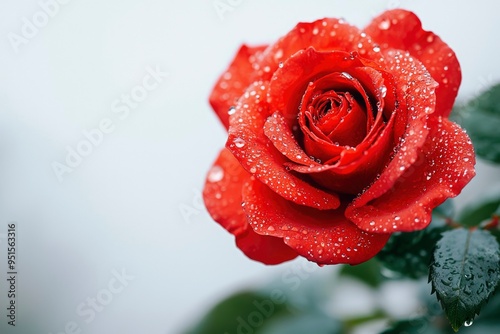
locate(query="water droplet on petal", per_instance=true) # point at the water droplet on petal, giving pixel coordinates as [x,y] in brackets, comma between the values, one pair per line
[215,174]
[231,110]
[347,75]
[383,91]
[239,142]
[384,25]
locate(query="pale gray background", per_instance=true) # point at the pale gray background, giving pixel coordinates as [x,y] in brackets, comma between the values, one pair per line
[121,208]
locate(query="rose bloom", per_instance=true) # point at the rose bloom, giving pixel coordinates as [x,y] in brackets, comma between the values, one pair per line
[337,137]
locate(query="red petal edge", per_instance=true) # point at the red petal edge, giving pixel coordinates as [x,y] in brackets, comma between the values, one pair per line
[258,156]
[401,29]
[234,81]
[223,197]
[445,166]
[324,237]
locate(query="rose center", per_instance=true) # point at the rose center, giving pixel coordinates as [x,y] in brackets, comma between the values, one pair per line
[334,110]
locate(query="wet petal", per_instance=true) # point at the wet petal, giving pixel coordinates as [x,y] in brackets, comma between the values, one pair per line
[234,81]
[417,86]
[282,138]
[265,249]
[325,237]
[445,166]
[401,29]
[222,196]
[323,35]
[258,156]
[222,192]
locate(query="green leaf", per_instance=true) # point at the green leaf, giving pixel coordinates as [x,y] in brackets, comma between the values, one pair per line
[412,326]
[480,210]
[303,323]
[367,272]
[410,254]
[481,118]
[242,312]
[464,273]
[444,211]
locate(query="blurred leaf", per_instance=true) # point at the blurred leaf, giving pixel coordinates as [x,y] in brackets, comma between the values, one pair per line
[243,312]
[444,211]
[412,326]
[483,208]
[367,272]
[481,118]
[464,273]
[410,254]
[303,323]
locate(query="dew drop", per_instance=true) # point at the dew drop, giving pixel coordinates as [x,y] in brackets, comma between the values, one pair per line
[231,110]
[278,54]
[239,142]
[376,48]
[372,223]
[468,323]
[216,174]
[384,25]
[383,91]
[280,65]
[347,75]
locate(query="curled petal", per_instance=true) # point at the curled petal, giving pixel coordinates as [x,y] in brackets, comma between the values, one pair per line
[234,81]
[325,237]
[249,144]
[401,29]
[222,196]
[419,100]
[323,35]
[445,166]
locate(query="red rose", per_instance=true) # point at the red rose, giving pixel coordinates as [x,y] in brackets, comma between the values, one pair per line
[338,137]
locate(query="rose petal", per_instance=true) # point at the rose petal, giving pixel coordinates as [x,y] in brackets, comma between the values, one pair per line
[412,78]
[401,29]
[323,35]
[222,192]
[325,237]
[445,166]
[284,141]
[257,155]
[263,248]
[222,196]
[289,83]
[355,169]
[234,81]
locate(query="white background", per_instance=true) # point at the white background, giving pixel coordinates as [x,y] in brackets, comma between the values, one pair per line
[121,208]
